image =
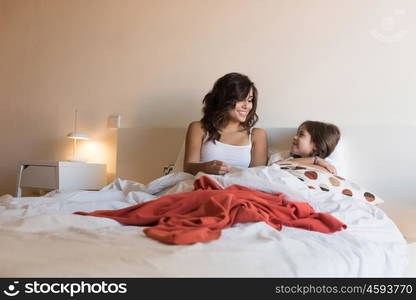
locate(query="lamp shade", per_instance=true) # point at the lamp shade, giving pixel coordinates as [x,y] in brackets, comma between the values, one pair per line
[78,136]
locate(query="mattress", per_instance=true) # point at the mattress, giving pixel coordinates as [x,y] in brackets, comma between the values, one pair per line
[45,239]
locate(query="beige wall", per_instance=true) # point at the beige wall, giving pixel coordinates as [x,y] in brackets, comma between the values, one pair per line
[349,62]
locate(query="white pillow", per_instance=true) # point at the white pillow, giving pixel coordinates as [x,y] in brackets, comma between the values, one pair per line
[337,159]
[316,179]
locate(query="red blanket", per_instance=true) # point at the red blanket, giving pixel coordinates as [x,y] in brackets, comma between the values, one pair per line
[200,215]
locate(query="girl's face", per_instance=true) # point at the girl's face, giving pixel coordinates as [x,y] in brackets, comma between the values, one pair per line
[302,144]
[242,108]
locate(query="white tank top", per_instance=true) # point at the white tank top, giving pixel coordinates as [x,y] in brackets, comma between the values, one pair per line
[236,156]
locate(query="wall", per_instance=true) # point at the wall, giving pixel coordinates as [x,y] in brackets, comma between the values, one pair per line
[348,62]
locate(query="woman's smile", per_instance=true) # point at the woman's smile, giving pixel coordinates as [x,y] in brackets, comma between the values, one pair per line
[242,113]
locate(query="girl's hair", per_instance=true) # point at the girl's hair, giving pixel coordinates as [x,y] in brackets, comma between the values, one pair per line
[227,91]
[325,136]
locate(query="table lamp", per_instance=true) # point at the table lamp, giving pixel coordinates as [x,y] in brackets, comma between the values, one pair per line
[76,136]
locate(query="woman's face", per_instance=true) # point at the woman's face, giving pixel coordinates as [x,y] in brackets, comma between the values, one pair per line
[302,144]
[242,108]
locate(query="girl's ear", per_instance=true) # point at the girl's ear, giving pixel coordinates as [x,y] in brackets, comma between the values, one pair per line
[314,150]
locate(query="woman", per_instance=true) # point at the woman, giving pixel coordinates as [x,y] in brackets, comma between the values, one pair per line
[225,136]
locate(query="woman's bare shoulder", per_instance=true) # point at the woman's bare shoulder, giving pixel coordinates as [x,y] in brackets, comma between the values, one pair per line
[196,126]
[259,132]
[195,129]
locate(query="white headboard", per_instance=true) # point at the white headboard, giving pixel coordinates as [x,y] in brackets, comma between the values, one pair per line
[143,152]
[379,158]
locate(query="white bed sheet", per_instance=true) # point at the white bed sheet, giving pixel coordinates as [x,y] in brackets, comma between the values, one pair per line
[410,270]
[45,239]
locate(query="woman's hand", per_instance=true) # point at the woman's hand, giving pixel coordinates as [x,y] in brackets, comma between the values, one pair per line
[324,164]
[216,167]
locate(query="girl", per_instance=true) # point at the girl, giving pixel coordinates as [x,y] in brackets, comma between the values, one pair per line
[225,136]
[312,144]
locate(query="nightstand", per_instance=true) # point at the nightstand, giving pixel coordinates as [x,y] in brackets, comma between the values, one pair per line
[60,175]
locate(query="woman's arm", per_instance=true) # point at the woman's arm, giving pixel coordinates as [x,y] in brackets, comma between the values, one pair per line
[259,148]
[193,143]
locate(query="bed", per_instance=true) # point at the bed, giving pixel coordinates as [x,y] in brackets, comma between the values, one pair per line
[45,239]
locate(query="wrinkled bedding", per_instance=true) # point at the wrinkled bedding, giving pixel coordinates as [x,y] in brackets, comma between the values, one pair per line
[41,237]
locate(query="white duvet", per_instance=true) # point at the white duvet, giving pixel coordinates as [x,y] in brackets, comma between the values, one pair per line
[40,237]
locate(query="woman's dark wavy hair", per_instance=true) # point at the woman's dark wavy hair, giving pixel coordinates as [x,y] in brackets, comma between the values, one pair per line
[227,91]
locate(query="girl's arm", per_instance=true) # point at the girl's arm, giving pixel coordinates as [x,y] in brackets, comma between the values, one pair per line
[320,163]
[318,167]
[259,148]
[193,143]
